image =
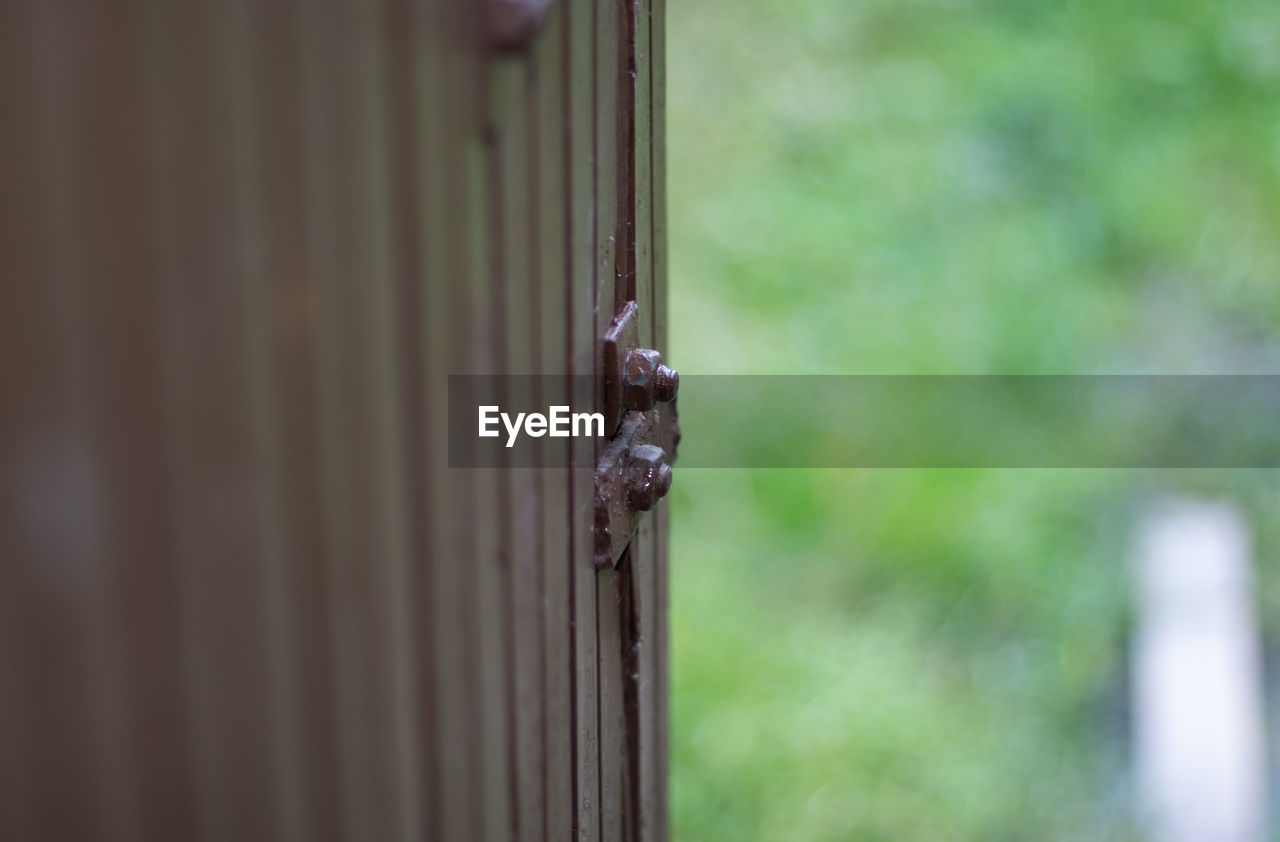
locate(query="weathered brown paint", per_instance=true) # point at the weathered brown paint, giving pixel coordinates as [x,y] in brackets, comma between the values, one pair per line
[241,594]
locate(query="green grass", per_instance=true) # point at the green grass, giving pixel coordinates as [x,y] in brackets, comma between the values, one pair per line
[946,187]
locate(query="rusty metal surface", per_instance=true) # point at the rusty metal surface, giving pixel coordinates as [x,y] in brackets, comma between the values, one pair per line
[621,337]
[633,473]
[634,378]
[241,596]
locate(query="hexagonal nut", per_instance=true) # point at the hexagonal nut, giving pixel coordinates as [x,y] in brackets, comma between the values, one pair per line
[648,476]
[646,381]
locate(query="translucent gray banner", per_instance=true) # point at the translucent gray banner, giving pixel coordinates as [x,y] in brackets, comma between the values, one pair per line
[891,421]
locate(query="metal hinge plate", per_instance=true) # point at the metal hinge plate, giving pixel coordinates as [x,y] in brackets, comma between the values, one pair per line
[632,474]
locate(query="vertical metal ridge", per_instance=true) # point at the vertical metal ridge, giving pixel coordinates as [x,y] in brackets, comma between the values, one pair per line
[20,233]
[532,212]
[598,317]
[164,218]
[224,469]
[549,184]
[615,258]
[323,235]
[491,541]
[129,405]
[572,354]
[643,705]
[582,165]
[295,309]
[61,585]
[458,322]
[569,369]
[244,65]
[501,278]
[499,587]
[627,191]
[659,825]
[447,734]
[514,225]
[399,37]
[388,608]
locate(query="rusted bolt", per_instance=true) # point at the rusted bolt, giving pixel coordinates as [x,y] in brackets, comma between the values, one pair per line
[511,23]
[648,477]
[646,381]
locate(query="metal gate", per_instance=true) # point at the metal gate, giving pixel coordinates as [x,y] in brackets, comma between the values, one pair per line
[242,594]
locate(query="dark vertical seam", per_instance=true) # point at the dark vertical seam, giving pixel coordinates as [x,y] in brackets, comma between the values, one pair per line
[570,358]
[464,253]
[406,221]
[657,761]
[500,278]
[474,261]
[533,126]
[628,241]
[653,248]
[595,356]
[626,160]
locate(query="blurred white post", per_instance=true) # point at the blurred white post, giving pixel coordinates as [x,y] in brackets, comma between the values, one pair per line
[1200,751]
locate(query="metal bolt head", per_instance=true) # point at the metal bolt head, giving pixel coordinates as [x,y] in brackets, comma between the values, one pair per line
[666,381]
[647,381]
[648,476]
[511,23]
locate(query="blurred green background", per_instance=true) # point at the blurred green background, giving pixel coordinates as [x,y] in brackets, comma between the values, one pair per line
[947,187]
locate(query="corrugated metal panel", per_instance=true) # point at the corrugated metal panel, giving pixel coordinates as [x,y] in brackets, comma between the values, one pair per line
[241,594]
